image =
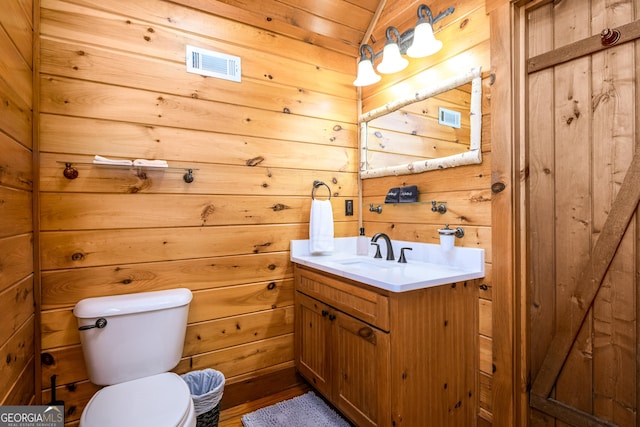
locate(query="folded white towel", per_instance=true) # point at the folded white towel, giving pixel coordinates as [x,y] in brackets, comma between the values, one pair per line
[99,160]
[151,163]
[321,227]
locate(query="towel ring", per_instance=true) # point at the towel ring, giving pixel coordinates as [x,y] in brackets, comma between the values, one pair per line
[317,184]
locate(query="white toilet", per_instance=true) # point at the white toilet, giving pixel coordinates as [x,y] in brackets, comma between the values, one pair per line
[130,342]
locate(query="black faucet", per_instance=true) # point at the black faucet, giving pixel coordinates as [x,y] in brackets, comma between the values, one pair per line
[375,238]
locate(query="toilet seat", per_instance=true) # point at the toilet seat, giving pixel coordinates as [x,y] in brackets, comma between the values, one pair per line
[156,401]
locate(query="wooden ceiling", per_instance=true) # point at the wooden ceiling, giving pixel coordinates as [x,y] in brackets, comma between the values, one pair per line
[339,25]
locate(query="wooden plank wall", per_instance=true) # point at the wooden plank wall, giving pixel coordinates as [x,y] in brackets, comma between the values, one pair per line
[17,316]
[466,190]
[114,84]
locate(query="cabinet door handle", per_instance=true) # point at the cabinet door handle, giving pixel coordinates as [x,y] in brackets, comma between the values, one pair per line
[365,332]
[324,313]
[332,317]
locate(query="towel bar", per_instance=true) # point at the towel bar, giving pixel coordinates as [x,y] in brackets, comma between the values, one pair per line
[317,184]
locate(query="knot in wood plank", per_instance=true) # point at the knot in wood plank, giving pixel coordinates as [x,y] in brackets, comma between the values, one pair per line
[206,212]
[255,161]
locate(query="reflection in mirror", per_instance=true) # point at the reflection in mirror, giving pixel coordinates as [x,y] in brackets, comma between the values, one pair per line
[435,128]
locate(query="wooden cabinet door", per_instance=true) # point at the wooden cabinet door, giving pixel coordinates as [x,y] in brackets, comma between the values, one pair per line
[312,342]
[361,370]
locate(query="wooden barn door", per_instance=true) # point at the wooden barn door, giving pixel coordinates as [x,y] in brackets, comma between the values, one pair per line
[582,150]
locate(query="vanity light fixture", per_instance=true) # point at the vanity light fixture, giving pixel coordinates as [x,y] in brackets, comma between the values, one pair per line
[366,74]
[392,60]
[423,43]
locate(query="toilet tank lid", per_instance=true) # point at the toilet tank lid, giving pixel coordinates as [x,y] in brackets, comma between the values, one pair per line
[131,303]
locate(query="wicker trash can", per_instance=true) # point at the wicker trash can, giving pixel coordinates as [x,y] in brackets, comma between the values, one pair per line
[206,388]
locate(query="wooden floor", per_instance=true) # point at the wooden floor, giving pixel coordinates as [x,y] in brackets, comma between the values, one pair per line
[232,417]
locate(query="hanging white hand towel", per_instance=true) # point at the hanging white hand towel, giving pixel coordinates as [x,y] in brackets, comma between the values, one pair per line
[321,227]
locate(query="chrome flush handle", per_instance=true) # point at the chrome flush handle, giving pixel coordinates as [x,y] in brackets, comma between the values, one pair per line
[100,323]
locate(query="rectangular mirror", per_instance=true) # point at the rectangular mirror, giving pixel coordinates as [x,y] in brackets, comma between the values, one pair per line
[435,128]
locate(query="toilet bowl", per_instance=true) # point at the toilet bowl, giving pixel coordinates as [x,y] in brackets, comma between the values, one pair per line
[130,343]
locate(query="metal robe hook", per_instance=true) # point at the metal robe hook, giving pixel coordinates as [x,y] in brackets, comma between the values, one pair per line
[442,208]
[609,37]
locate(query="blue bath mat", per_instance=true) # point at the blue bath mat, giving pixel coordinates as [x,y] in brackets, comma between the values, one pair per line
[307,410]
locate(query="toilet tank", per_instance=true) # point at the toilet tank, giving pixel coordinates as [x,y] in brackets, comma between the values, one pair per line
[143,335]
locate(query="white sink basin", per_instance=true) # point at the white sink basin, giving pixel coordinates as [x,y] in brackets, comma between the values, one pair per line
[368,264]
[427,265]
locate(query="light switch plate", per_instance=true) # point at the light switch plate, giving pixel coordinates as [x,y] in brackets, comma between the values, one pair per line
[348,207]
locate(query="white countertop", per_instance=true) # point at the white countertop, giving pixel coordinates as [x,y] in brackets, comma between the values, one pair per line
[427,264]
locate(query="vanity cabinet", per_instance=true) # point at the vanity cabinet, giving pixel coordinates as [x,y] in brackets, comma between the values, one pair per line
[345,359]
[388,359]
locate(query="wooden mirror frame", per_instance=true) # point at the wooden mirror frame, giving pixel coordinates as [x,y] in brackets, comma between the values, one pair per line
[473,156]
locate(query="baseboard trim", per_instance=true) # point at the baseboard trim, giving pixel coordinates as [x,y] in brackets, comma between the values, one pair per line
[254,388]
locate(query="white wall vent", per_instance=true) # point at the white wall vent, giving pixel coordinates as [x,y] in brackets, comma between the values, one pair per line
[449,117]
[213,64]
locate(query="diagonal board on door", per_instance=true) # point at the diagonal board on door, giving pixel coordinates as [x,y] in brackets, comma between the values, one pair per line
[589,283]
